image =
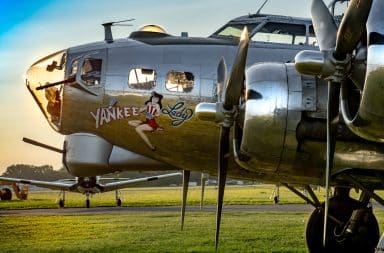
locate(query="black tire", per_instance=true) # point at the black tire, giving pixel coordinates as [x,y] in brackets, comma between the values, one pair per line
[276,199]
[6,194]
[118,202]
[87,203]
[365,239]
[61,203]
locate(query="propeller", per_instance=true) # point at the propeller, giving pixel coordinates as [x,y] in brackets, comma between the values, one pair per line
[231,96]
[186,177]
[332,65]
[229,91]
[221,75]
[203,180]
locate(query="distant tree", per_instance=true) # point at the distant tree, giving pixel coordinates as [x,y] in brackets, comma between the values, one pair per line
[44,172]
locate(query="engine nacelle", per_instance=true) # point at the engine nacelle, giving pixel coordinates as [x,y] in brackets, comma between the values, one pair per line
[276,95]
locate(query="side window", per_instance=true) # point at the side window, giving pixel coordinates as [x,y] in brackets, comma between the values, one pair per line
[143,79]
[312,40]
[281,33]
[73,69]
[179,81]
[91,71]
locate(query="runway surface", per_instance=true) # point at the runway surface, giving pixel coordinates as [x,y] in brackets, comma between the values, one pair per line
[117,210]
[300,208]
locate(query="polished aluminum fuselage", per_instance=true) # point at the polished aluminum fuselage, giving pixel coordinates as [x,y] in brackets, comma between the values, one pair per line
[271,147]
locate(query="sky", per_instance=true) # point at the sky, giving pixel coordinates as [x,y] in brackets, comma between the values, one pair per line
[30,30]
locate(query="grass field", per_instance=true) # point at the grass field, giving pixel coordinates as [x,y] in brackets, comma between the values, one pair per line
[164,196]
[156,231]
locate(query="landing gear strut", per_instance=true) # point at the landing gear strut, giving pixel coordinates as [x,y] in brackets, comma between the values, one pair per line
[87,201]
[62,199]
[352,226]
[118,198]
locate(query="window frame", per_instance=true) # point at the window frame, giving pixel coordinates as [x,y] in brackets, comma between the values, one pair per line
[184,90]
[291,34]
[132,86]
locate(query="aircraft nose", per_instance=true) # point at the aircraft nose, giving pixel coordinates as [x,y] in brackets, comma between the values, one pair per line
[44,81]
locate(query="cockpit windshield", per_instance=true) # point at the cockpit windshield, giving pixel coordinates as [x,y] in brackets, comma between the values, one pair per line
[233,31]
[270,29]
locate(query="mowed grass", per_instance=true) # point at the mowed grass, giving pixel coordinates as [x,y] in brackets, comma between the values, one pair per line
[162,196]
[155,232]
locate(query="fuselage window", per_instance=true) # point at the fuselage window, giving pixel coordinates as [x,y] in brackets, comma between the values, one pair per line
[179,81]
[91,71]
[312,41]
[143,79]
[281,33]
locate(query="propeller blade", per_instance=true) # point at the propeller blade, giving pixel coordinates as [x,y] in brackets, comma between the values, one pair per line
[332,121]
[324,25]
[352,26]
[186,177]
[236,78]
[222,175]
[203,180]
[221,75]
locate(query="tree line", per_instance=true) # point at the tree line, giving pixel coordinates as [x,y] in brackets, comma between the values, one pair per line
[44,172]
[48,173]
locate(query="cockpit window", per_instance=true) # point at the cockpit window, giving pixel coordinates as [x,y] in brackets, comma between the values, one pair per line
[91,71]
[281,33]
[234,31]
[143,79]
[179,81]
[312,40]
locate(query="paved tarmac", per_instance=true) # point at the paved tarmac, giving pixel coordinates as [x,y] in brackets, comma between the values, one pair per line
[300,208]
[115,210]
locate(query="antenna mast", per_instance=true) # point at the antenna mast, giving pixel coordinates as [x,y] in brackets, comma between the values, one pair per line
[108,30]
[261,7]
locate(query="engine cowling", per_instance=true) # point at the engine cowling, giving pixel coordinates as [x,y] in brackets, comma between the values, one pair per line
[276,96]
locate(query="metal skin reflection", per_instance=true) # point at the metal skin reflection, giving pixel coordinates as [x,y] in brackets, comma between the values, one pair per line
[260,120]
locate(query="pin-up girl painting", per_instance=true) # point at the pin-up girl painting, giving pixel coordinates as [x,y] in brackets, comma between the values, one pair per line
[151,110]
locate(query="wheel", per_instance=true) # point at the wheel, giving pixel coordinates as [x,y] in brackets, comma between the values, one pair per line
[87,203]
[364,240]
[61,203]
[5,194]
[276,199]
[118,202]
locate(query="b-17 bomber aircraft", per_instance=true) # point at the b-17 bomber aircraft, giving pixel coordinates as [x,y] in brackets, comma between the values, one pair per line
[260,103]
[86,185]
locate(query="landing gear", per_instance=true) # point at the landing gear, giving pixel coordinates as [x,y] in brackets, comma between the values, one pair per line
[275,196]
[87,201]
[5,194]
[351,227]
[62,199]
[118,198]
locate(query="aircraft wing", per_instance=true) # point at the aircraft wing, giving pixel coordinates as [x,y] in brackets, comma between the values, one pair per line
[125,183]
[44,184]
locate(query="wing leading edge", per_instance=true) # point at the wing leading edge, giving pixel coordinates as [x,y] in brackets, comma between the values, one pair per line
[123,184]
